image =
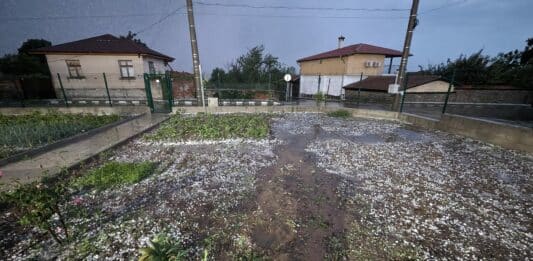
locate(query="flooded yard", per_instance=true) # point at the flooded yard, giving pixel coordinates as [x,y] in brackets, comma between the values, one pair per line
[313,187]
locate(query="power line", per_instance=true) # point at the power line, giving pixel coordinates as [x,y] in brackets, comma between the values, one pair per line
[302,7]
[75,17]
[304,16]
[175,11]
[443,6]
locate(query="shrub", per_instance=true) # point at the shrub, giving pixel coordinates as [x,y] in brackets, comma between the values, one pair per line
[115,173]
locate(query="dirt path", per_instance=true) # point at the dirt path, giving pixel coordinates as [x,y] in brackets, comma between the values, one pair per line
[298,212]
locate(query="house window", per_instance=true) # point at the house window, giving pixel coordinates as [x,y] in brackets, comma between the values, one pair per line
[151,67]
[126,69]
[74,69]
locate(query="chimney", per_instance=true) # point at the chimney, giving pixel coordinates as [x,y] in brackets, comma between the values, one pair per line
[341,41]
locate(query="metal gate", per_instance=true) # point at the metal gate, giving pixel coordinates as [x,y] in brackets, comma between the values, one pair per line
[158,92]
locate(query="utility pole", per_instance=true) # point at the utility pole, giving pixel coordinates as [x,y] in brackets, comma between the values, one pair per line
[195,54]
[413,21]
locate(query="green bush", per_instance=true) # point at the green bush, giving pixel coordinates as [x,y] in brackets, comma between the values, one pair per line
[115,173]
[212,127]
[340,114]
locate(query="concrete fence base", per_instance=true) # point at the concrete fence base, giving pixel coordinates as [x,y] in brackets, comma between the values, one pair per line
[502,134]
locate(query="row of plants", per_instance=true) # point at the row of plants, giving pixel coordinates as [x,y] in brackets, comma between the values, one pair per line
[22,132]
[212,127]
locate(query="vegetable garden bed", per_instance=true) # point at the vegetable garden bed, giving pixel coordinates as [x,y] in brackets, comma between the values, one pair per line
[290,186]
[19,133]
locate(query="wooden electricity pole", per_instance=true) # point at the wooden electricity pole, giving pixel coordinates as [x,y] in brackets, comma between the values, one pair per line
[405,54]
[195,54]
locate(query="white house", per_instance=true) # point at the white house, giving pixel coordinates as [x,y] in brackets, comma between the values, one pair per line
[81,64]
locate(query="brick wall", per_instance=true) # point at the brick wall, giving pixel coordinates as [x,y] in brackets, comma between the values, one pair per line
[183,85]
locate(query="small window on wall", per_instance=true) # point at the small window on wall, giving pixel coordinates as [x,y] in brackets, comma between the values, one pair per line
[74,69]
[126,69]
[151,67]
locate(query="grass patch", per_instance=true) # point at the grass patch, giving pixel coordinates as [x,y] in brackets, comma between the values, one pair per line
[340,114]
[22,132]
[212,127]
[115,173]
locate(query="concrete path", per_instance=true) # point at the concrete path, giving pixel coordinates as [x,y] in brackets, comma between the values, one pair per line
[51,162]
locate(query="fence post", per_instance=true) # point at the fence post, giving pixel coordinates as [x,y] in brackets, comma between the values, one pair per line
[169,89]
[62,89]
[404,92]
[448,92]
[107,90]
[359,90]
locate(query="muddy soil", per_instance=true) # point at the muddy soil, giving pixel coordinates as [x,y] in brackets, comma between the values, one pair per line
[297,207]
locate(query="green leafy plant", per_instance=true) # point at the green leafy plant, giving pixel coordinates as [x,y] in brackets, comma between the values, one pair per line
[340,114]
[115,173]
[37,205]
[212,127]
[161,248]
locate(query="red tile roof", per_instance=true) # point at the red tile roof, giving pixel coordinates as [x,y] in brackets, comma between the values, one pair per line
[381,83]
[360,48]
[106,43]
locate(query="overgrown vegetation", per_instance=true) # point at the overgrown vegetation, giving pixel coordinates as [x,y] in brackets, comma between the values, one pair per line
[212,127]
[513,68]
[115,173]
[37,205]
[23,132]
[340,114]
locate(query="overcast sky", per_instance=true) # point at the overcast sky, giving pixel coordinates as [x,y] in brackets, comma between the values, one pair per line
[447,28]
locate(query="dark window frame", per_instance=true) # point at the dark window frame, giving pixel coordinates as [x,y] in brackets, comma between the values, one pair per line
[74,69]
[126,64]
[151,67]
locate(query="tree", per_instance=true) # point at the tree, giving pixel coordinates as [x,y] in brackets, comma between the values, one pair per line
[512,68]
[131,36]
[33,44]
[25,63]
[252,70]
[252,67]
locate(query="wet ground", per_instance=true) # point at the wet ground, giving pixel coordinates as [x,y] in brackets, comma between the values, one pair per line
[318,188]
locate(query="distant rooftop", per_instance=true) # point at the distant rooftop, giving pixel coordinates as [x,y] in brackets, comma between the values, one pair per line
[105,43]
[360,48]
[381,82]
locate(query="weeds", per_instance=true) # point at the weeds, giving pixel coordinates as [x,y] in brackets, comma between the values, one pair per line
[37,205]
[115,173]
[340,114]
[162,248]
[212,127]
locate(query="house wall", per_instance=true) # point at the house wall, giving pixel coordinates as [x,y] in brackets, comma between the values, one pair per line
[350,65]
[92,86]
[158,64]
[341,71]
[309,84]
[330,66]
[356,64]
